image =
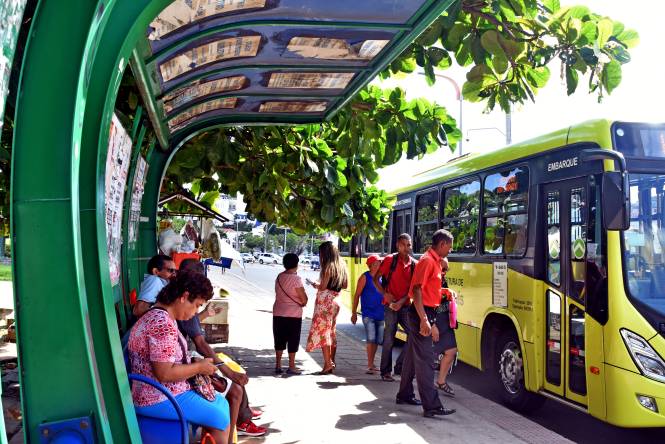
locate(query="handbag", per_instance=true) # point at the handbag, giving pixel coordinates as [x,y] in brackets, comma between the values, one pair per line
[288,295]
[201,384]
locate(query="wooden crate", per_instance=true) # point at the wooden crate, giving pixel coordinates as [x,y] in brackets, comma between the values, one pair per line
[216,333]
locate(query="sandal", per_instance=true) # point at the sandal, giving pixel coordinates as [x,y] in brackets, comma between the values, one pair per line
[293,371]
[446,389]
[278,370]
[325,372]
[387,378]
[370,371]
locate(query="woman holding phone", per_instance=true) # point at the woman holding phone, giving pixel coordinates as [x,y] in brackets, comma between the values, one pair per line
[332,280]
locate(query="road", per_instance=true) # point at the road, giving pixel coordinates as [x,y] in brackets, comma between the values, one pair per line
[557,417]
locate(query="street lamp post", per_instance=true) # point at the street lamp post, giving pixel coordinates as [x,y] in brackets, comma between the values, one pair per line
[458,96]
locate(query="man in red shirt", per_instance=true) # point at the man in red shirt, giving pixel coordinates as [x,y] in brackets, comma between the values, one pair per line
[426,294]
[395,273]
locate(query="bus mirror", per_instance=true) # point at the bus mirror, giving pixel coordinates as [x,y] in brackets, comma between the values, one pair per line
[616,201]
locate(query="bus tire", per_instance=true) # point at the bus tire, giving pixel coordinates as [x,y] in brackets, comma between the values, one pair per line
[509,375]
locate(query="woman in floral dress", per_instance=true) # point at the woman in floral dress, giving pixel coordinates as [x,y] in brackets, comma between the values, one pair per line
[332,280]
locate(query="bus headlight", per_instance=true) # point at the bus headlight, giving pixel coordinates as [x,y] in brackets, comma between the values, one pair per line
[647,360]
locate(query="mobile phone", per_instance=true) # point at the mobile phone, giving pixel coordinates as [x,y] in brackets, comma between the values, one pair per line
[310,282]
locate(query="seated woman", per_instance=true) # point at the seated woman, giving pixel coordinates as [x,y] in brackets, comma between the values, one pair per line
[158,350]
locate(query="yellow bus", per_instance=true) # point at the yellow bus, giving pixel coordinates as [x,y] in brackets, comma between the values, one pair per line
[559,264]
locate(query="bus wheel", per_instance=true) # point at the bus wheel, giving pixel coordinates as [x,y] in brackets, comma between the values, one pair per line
[510,375]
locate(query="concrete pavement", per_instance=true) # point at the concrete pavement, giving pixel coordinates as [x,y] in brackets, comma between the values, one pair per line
[348,406]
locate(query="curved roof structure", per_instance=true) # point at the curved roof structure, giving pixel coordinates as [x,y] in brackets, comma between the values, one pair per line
[209,62]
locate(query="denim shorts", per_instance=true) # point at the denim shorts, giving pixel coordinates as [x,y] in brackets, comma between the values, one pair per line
[373,330]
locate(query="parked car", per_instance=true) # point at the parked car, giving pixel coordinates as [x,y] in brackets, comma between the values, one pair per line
[315,264]
[269,258]
[247,258]
[304,260]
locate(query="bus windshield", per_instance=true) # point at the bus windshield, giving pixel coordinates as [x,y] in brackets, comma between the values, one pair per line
[645,240]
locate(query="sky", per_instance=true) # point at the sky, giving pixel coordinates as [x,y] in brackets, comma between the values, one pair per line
[640,97]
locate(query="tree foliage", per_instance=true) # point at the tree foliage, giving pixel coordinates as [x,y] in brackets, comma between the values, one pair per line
[315,177]
[320,177]
[507,45]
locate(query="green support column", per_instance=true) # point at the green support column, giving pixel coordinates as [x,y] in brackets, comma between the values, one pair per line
[69,348]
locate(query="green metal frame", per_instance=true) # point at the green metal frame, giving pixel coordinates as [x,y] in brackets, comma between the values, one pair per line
[65,314]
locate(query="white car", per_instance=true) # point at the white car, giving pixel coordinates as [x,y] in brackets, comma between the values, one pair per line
[248,258]
[269,258]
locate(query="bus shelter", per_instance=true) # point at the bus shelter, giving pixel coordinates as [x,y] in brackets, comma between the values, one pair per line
[86,186]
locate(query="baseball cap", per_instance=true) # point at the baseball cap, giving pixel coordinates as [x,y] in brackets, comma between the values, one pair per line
[373,258]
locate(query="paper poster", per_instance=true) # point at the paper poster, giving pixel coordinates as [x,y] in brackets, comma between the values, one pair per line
[137,196]
[11,12]
[178,121]
[335,49]
[307,80]
[117,165]
[224,49]
[500,284]
[184,95]
[292,107]
[181,13]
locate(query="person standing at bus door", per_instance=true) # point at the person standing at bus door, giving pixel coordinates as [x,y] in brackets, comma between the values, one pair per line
[426,294]
[443,333]
[371,308]
[395,273]
[332,280]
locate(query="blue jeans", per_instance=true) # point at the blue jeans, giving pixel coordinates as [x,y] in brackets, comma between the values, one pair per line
[373,330]
[391,319]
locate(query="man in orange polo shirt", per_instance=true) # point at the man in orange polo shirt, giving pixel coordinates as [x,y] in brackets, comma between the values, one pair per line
[395,273]
[426,295]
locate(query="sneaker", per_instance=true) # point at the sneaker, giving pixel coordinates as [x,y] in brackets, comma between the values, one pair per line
[256,413]
[248,428]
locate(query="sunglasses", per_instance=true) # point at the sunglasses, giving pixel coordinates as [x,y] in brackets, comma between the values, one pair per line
[171,270]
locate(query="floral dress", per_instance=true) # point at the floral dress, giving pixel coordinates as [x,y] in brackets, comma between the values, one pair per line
[322,331]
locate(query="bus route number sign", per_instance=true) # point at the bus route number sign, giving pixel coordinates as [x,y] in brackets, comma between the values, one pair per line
[500,284]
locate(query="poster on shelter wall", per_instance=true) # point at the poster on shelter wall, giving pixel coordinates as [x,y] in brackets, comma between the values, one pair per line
[137,196]
[11,12]
[117,166]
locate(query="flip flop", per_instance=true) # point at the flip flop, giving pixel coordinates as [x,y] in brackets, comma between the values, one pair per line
[387,378]
[290,371]
[369,371]
[278,371]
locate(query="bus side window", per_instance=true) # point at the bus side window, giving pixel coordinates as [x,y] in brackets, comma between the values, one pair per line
[553,238]
[461,207]
[427,219]
[505,198]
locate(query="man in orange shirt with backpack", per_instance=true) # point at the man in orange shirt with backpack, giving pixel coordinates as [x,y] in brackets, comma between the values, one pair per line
[393,281]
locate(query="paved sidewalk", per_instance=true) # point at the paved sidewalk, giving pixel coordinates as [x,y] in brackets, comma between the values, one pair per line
[349,406]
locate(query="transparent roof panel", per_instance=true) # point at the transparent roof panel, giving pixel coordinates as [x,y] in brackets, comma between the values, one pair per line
[225,103]
[314,80]
[334,49]
[223,49]
[184,95]
[182,13]
[275,106]
[210,62]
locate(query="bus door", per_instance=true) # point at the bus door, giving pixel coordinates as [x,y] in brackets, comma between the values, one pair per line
[401,224]
[566,217]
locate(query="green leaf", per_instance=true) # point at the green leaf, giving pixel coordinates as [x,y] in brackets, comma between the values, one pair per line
[500,64]
[463,53]
[538,77]
[451,14]
[611,76]
[571,80]
[605,27]
[346,208]
[629,38]
[328,213]
[552,5]
[490,41]
[455,36]
[436,55]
